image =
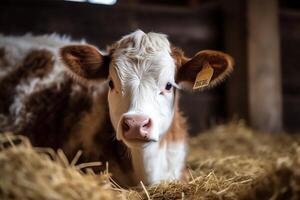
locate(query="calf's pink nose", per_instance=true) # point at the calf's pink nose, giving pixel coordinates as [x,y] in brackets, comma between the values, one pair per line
[136,127]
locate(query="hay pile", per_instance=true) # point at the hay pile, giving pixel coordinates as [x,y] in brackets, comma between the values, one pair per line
[36,174]
[228,162]
[234,162]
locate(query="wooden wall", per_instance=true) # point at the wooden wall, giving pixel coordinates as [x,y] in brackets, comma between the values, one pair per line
[192,29]
[290,67]
[193,25]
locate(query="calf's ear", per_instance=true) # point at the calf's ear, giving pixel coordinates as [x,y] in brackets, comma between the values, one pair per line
[84,62]
[204,70]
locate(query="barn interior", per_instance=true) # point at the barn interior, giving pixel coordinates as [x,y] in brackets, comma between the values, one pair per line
[245,142]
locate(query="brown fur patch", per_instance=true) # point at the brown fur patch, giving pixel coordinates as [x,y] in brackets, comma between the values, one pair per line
[37,63]
[178,56]
[91,122]
[51,113]
[105,148]
[3,61]
[85,62]
[43,116]
[178,129]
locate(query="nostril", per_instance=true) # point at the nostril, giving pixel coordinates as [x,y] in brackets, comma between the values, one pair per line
[147,124]
[125,126]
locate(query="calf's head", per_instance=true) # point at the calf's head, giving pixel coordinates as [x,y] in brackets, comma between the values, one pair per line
[142,71]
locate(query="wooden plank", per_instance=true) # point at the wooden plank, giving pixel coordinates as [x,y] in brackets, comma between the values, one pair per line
[236,45]
[265,96]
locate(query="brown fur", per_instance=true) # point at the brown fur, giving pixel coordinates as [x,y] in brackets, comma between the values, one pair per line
[85,61]
[178,56]
[37,63]
[178,130]
[3,61]
[92,120]
[46,110]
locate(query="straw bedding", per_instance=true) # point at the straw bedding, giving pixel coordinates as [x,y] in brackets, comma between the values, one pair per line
[227,162]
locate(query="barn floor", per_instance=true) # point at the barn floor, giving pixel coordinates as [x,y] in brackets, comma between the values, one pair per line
[227,162]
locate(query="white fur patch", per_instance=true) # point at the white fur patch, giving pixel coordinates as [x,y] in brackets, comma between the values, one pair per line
[153,163]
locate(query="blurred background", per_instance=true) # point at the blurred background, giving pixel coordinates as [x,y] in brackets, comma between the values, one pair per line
[263,36]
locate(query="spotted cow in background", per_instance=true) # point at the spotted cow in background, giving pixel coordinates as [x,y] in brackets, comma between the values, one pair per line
[120,107]
[38,100]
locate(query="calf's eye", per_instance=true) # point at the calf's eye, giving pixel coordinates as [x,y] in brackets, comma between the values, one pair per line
[111,84]
[169,86]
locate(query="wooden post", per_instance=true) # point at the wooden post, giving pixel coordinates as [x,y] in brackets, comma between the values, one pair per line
[265,94]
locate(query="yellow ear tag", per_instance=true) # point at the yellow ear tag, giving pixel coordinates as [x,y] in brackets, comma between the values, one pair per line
[204,76]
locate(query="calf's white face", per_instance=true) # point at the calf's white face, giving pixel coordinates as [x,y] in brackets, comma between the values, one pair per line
[142,71]
[141,95]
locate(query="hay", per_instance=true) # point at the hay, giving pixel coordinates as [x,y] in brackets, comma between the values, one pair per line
[228,162]
[234,162]
[28,173]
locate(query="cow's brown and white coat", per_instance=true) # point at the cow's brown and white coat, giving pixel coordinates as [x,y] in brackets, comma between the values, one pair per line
[143,71]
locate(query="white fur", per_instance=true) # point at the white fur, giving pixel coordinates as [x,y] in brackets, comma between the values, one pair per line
[153,163]
[140,69]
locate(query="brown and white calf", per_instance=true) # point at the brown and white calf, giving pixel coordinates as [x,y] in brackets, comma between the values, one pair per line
[144,72]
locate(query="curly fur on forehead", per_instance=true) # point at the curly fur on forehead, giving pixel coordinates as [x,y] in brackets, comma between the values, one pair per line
[140,56]
[143,44]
